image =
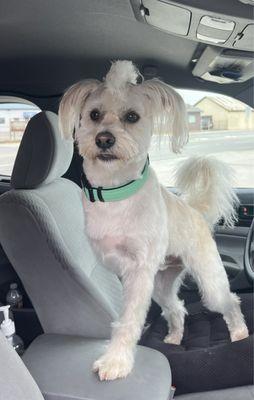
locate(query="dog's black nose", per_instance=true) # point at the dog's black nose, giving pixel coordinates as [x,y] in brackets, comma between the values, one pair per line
[105,140]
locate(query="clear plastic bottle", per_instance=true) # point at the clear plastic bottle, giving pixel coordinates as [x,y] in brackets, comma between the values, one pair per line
[8,329]
[14,298]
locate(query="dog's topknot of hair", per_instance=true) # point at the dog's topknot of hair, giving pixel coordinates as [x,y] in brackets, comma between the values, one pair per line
[120,74]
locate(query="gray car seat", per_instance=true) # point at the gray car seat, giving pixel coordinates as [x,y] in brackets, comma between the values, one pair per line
[61,366]
[42,230]
[16,383]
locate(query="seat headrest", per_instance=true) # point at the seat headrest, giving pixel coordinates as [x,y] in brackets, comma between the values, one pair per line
[43,154]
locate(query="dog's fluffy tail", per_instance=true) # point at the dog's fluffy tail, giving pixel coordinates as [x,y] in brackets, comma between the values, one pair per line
[205,183]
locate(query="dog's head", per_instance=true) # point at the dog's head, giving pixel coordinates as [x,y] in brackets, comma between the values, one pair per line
[114,119]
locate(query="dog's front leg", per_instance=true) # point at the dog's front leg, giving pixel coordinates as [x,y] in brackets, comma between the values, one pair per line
[118,360]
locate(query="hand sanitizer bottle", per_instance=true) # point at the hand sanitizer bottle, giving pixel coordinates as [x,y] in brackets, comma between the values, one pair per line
[8,329]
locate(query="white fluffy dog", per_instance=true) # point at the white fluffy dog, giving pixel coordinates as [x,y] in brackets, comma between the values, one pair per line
[148,236]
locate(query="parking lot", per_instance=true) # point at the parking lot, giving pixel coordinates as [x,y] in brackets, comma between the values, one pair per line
[236,148]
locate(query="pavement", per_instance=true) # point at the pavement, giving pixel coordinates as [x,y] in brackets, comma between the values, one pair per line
[236,148]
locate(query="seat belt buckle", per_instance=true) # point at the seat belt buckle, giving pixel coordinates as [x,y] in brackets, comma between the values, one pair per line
[172,393]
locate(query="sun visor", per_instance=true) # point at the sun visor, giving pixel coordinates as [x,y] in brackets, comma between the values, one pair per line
[167,17]
[245,39]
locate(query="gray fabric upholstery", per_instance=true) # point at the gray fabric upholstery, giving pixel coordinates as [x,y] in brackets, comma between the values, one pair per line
[43,154]
[42,231]
[16,383]
[62,368]
[237,393]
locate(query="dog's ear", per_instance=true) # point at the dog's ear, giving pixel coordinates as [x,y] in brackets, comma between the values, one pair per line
[71,105]
[168,112]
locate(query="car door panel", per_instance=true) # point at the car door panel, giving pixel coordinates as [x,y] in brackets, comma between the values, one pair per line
[231,242]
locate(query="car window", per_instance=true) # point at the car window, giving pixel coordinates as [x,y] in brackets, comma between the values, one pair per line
[14,116]
[218,125]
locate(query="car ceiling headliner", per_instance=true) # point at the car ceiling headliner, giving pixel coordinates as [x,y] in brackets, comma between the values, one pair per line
[46,45]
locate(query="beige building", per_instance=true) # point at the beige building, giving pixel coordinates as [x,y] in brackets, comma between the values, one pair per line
[225,113]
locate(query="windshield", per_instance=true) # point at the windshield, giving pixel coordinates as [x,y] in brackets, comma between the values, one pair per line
[220,126]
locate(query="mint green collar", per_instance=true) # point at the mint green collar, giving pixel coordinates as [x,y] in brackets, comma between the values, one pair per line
[115,193]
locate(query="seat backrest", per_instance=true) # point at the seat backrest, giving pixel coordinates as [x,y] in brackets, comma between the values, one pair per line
[15,380]
[42,230]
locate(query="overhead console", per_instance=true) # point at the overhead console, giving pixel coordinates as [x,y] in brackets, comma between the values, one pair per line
[229,27]
[226,27]
[214,30]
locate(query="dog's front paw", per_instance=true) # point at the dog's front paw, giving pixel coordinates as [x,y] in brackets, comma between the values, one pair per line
[173,338]
[239,334]
[113,365]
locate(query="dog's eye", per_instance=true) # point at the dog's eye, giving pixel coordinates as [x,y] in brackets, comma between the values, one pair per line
[95,114]
[131,117]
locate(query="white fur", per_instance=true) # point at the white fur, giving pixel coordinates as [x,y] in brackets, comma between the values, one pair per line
[121,74]
[168,111]
[71,101]
[206,184]
[152,238]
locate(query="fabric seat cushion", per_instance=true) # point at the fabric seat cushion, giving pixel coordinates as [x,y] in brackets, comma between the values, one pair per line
[237,393]
[206,358]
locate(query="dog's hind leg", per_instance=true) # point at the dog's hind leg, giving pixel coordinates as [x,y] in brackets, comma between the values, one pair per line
[167,284]
[205,265]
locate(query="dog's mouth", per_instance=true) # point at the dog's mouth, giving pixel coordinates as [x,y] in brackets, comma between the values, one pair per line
[107,157]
